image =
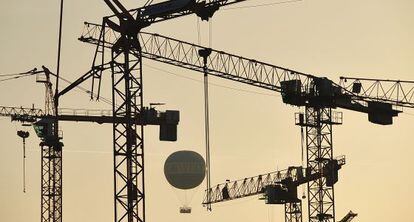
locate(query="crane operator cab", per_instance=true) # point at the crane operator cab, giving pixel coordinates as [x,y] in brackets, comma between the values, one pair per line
[318,92]
[292,92]
[44,129]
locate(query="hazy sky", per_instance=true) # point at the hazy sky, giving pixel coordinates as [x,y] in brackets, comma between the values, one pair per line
[252,131]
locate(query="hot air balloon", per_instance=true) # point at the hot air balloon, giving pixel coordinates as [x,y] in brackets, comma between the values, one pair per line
[185,170]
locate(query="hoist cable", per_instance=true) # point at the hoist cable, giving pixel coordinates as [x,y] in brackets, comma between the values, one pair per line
[207,120]
[211,84]
[24,165]
[302,146]
[59,51]
[302,139]
[210,33]
[105,100]
[198,31]
[207,132]
[33,71]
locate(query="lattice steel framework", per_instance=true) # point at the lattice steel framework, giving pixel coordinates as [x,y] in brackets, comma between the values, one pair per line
[319,151]
[250,71]
[51,183]
[397,92]
[246,187]
[128,137]
[31,114]
[185,55]
[263,75]
[293,212]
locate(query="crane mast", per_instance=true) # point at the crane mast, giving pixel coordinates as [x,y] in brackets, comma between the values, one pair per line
[319,151]
[51,153]
[51,146]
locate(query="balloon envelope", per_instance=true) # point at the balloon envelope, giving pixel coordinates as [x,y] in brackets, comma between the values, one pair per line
[184,169]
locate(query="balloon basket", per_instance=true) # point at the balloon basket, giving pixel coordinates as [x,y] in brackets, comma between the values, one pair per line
[185,210]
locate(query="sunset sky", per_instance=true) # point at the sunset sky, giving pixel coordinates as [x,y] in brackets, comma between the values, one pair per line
[252,131]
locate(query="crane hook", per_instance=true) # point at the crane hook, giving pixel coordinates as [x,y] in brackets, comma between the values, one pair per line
[24,135]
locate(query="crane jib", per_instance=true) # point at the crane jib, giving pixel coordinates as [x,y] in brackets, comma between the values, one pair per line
[166,7]
[297,88]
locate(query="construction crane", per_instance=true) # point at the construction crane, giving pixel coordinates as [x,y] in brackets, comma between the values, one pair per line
[319,95]
[127,107]
[51,169]
[127,94]
[43,123]
[279,187]
[127,103]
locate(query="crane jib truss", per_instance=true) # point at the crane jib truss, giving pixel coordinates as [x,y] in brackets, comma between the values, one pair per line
[256,185]
[291,178]
[241,69]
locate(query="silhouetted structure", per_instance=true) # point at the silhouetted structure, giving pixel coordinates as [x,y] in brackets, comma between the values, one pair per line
[122,34]
[279,187]
[318,95]
[127,93]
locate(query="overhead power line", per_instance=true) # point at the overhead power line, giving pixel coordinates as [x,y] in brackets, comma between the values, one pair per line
[101,98]
[214,84]
[16,76]
[32,71]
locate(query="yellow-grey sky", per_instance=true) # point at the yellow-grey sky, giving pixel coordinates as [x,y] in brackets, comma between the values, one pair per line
[251,133]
